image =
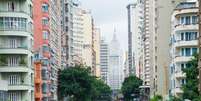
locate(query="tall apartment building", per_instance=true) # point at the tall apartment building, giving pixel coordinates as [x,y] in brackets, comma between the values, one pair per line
[16,57]
[130,9]
[184,42]
[104,60]
[87,38]
[148,42]
[115,73]
[96,42]
[135,33]
[47,44]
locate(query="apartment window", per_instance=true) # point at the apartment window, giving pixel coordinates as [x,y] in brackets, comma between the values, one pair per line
[14,96]
[13,23]
[189,36]
[188,51]
[45,21]
[194,50]
[13,61]
[194,19]
[182,20]
[182,66]
[182,52]
[182,36]
[188,20]
[14,80]
[44,88]
[45,35]
[183,81]
[11,6]
[45,8]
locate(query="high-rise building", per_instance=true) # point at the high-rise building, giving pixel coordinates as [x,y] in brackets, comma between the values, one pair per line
[130,9]
[16,42]
[104,60]
[87,38]
[115,72]
[47,47]
[184,42]
[96,42]
[135,33]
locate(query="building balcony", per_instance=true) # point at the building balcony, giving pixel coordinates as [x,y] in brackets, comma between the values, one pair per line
[15,50]
[180,27]
[20,87]
[179,44]
[180,75]
[16,13]
[14,69]
[15,32]
[179,12]
[180,59]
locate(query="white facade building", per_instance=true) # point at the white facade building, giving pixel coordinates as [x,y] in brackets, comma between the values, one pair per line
[115,64]
[16,42]
[184,42]
[104,60]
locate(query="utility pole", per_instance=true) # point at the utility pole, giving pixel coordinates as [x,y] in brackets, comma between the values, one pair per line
[199,43]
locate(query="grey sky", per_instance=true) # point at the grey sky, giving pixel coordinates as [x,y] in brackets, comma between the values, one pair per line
[109,14]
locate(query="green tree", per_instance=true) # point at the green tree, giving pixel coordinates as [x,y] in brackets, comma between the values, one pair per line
[157,98]
[102,91]
[76,82]
[191,87]
[130,87]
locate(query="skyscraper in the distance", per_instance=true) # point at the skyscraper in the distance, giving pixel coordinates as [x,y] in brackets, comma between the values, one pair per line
[104,60]
[115,64]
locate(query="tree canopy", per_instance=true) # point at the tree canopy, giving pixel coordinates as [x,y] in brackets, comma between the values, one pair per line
[78,83]
[190,88]
[130,87]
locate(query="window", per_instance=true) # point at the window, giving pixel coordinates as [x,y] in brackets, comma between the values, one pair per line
[13,61]
[44,88]
[13,23]
[182,66]
[194,19]
[182,20]
[183,81]
[182,36]
[45,7]
[11,6]
[14,96]
[194,50]
[45,35]
[45,21]
[182,52]
[188,20]
[14,80]
[188,52]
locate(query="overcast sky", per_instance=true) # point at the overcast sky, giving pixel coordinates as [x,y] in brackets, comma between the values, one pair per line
[110,14]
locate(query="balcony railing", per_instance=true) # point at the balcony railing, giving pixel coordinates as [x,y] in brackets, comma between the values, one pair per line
[15,11]
[15,47]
